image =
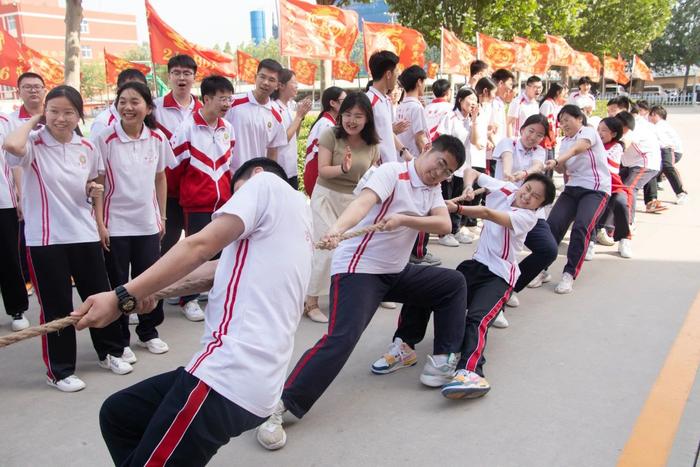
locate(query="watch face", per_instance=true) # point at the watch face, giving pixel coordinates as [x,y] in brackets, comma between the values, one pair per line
[129,305]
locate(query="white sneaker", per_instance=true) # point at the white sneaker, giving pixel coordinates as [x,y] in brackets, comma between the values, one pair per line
[116,365]
[173,301]
[603,238]
[271,434]
[448,240]
[500,322]
[439,369]
[129,356]
[155,345]
[590,252]
[388,305]
[541,278]
[193,311]
[68,384]
[566,285]
[464,236]
[625,248]
[19,322]
[133,319]
[682,198]
[513,301]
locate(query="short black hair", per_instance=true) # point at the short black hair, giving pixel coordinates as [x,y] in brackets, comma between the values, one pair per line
[182,61]
[550,191]
[451,145]
[410,76]
[29,74]
[502,75]
[482,85]
[130,74]
[246,169]
[213,84]
[358,99]
[622,102]
[440,87]
[461,95]
[536,119]
[659,110]
[381,62]
[584,80]
[533,79]
[614,124]
[270,64]
[643,104]
[477,66]
[573,111]
[627,119]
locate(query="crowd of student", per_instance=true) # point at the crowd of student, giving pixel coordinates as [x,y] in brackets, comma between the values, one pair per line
[99,212]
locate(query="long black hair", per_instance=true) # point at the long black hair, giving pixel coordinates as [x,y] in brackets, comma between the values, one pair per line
[461,95]
[145,93]
[615,126]
[573,111]
[73,96]
[360,100]
[284,77]
[332,93]
[554,90]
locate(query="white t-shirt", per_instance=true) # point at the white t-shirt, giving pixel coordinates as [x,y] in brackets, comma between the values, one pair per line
[614,157]
[582,100]
[459,126]
[257,298]
[287,155]
[8,196]
[107,118]
[499,246]
[588,169]
[130,167]
[522,158]
[645,150]
[478,156]
[383,118]
[412,110]
[400,190]
[54,177]
[170,115]
[551,110]
[498,118]
[668,136]
[521,108]
[257,127]
[434,113]
[326,121]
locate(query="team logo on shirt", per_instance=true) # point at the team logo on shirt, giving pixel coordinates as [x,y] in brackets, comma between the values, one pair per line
[227,136]
[269,125]
[83,160]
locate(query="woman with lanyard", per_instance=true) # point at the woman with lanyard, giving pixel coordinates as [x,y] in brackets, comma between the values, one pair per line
[584,158]
[331,100]
[345,153]
[292,116]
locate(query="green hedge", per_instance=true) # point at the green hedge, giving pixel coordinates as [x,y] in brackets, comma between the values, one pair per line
[301,146]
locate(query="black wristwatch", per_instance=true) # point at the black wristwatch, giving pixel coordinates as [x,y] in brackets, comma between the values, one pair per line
[127,302]
[402,150]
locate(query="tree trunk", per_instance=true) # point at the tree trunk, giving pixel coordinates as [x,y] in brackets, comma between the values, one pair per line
[685,78]
[74,16]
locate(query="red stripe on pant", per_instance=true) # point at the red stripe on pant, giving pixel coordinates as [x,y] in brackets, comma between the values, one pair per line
[419,244]
[178,427]
[473,359]
[633,187]
[590,229]
[42,320]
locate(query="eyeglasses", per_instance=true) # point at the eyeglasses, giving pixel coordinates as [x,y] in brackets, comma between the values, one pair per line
[30,88]
[183,74]
[224,99]
[444,169]
[264,77]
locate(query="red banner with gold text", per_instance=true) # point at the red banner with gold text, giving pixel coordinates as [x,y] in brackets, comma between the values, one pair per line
[456,55]
[115,65]
[495,52]
[304,70]
[345,70]
[407,43]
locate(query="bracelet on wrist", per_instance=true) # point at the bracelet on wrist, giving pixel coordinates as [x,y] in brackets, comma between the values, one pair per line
[342,169]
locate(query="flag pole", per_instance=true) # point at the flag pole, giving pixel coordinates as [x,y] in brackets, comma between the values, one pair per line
[442,47]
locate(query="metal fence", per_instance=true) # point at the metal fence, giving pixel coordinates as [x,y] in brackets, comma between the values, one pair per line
[655,99]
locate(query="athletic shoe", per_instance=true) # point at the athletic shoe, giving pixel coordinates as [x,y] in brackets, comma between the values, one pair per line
[500,322]
[513,301]
[466,385]
[448,240]
[625,248]
[193,311]
[133,319]
[431,260]
[388,305]
[271,434]
[203,297]
[173,301]
[116,365]
[400,355]
[439,369]
[541,278]
[19,322]
[155,345]
[603,238]
[68,384]
[464,236]
[566,285]
[129,356]
[682,198]
[590,252]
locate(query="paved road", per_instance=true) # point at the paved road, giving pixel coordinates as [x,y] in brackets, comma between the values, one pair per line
[569,377]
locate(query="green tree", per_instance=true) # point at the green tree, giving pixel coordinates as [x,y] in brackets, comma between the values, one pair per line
[139,53]
[228,50]
[92,78]
[217,47]
[680,43]
[269,48]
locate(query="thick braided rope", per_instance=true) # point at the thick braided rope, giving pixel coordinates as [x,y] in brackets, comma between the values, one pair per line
[348,235]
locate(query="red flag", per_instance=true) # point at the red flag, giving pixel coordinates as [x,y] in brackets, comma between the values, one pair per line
[407,43]
[305,71]
[432,70]
[12,63]
[560,52]
[345,70]
[316,31]
[640,70]
[616,69]
[533,57]
[585,64]
[115,65]
[456,55]
[247,67]
[495,52]
[50,69]
[166,43]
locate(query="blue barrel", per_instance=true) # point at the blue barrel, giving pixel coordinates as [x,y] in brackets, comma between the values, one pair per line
[257,26]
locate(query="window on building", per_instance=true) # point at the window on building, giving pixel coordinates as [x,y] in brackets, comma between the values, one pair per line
[86,51]
[11,24]
[84,28]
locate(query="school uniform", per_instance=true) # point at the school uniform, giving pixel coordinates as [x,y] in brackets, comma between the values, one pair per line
[131,211]
[373,268]
[642,159]
[324,122]
[459,126]
[411,109]
[232,384]
[12,288]
[383,119]
[584,197]
[521,108]
[478,156]
[671,147]
[105,119]
[616,216]
[257,127]
[63,242]
[287,156]
[582,100]
[170,115]
[434,113]
[490,276]
[550,110]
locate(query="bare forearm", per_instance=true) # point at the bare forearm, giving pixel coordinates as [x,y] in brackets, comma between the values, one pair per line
[439,224]
[161,192]
[16,141]
[482,212]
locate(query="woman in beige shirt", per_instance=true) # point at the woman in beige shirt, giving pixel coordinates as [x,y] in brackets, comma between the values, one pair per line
[346,151]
